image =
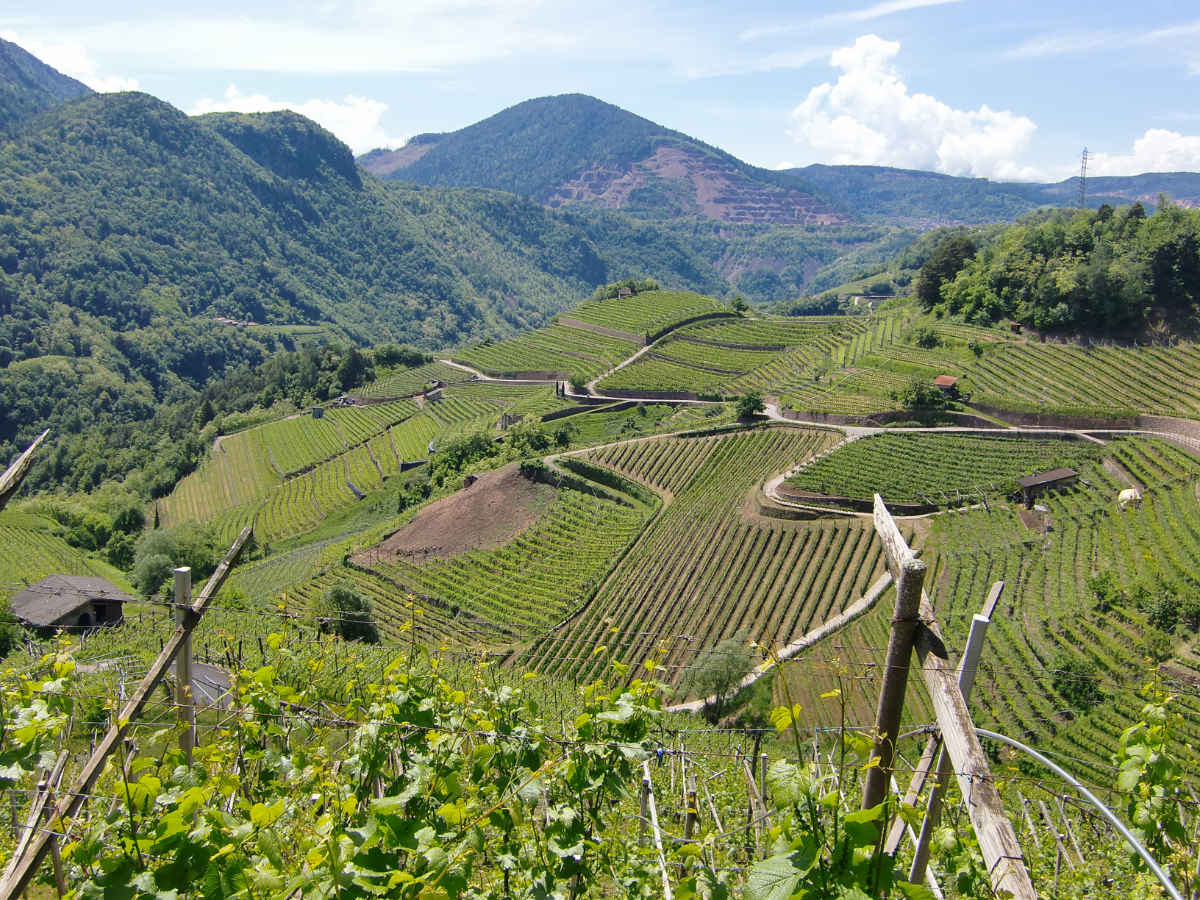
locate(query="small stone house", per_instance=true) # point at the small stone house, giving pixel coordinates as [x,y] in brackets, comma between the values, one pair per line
[70,601]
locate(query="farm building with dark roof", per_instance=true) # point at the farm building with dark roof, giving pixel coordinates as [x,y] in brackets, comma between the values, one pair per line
[70,601]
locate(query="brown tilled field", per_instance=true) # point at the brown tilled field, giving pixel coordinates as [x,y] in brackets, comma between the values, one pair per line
[492,511]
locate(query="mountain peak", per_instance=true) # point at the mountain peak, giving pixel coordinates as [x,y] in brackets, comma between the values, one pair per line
[573,149]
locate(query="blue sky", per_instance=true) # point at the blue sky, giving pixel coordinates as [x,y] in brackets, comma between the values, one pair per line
[1011,91]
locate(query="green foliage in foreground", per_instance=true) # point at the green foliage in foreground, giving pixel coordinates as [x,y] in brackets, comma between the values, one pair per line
[423,785]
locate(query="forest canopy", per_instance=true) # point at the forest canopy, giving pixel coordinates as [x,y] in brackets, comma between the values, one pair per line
[1109,271]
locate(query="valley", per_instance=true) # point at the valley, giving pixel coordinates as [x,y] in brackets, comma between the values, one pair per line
[538,502]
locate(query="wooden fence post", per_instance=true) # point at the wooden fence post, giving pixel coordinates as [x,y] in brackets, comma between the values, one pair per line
[997,841]
[909,573]
[968,666]
[183,664]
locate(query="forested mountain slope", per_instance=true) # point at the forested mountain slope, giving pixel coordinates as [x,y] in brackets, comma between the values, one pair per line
[29,86]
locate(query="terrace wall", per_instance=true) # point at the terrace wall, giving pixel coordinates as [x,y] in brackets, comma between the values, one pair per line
[518,374]
[651,395]
[588,407]
[1050,420]
[858,504]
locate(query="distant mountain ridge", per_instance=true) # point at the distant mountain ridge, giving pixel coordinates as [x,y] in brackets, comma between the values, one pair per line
[28,86]
[575,150]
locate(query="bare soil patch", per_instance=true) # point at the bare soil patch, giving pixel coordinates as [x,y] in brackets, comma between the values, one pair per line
[492,511]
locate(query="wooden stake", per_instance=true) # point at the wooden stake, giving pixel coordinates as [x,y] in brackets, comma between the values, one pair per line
[645,805]
[1058,838]
[184,700]
[25,865]
[662,860]
[997,842]
[15,474]
[909,573]
[691,815]
[1029,821]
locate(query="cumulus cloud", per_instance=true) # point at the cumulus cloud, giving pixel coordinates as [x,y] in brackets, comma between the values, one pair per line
[358,121]
[71,58]
[1158,150]
[868,116]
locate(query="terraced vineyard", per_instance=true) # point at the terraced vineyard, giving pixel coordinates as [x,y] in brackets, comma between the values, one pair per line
[772,332]
[702,571]
[642,316]
[35,552]
[237,473]
[937,468]
[407,382]
[511,593]
[1163,380]
[1047,614]
[556,348]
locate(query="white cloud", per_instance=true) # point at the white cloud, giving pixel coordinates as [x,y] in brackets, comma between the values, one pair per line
[1059,44]
[1158,150]
[71,58]
[849,17]
[869,117]
[409,37]
[358,121]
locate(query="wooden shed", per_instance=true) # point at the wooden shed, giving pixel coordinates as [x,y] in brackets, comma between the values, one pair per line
[1032,485]
[947,384]
[70,601]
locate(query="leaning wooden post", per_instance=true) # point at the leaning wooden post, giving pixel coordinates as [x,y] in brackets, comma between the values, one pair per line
[997,841]
[968,666]
[909,573]
[25,865]
[15,474]
[183,664]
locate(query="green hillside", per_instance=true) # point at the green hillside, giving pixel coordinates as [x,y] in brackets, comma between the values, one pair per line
[28,86]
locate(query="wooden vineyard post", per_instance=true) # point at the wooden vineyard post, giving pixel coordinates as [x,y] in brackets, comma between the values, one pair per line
[997,841]
[183,664]
[967,668]
[15,474]
[645,805]
[909,573]
[25,865]
[690,815]
[662,859]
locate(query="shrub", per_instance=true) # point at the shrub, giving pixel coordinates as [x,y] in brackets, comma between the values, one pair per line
[749,405]
[346,613]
